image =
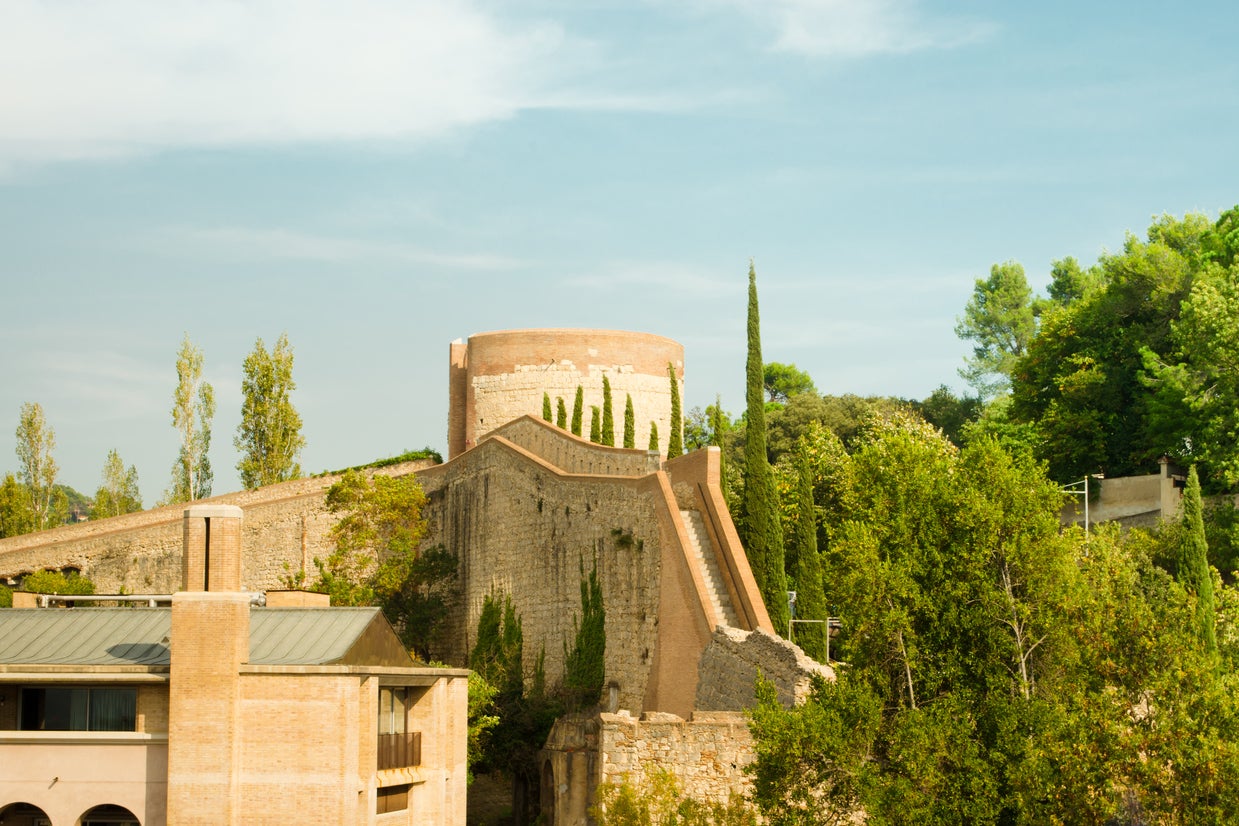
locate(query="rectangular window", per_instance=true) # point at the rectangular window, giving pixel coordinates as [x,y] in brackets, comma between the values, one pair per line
[393,710]
[392,799]
[79,708]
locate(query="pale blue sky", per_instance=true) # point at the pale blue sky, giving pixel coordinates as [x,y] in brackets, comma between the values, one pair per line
[379,178]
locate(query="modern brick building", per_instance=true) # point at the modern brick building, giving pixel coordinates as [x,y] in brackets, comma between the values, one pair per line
[217,710]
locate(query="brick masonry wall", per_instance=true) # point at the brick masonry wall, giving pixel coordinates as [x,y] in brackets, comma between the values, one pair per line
[284,527]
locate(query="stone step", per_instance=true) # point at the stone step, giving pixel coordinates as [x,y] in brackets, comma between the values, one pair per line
[702,549]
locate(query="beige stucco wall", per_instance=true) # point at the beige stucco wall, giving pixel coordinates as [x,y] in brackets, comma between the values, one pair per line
[68,773]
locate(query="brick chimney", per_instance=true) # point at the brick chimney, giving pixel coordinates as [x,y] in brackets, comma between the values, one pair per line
[209,643]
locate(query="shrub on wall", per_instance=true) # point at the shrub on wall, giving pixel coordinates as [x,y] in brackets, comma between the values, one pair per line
[659,800]
[595,425]
[561,413]
[546,406]
[585,663]
[653,435]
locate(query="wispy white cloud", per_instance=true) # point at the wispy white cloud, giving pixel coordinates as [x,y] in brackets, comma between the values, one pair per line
[249,243]
[87,80]
[856,28]
[666,275]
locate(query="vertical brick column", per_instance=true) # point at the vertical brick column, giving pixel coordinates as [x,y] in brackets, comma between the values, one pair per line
[212,549]
[210,641]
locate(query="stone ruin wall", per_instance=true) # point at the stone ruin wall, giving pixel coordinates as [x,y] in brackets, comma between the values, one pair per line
[528,531]
[498,377]
[707,754]
[284,528]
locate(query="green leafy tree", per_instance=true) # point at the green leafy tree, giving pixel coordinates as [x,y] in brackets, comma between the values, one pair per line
[377,558]
[675,446]
[118,494]
[1194,409]
[1000,321]
[950,414]
[608,414]
[1081,384]
[578,410]
[763,533]
[782,381]
[630,425]
[804,567]
[525,710]
[269,435]
[37,468]
[653,435]
[193,407]
[57,582]
[561,413]
[15,516]
[546,406]
[595,424]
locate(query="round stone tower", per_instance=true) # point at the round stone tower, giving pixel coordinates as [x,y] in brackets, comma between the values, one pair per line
[500,376]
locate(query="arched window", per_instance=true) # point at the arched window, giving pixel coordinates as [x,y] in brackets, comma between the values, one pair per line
[23,814]
[108,815]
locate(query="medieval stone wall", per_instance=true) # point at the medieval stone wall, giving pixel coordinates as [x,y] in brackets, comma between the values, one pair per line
[500,376]
[285,527]
[524,530]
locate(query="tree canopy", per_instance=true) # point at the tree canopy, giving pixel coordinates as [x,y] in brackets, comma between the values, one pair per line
[269,435]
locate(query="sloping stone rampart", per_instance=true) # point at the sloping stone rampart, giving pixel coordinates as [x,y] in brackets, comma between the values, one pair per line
[285,527]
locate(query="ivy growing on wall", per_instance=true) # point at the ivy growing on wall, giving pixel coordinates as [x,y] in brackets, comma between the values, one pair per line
[585,662]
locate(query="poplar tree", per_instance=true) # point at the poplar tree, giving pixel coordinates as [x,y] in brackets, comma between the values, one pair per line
[653,435]
[608,414]
[763,533]
[15,517]
[118,494]
[675,444]
[578,409]
[561,413]
[595,425]
[630,424]
[193,407]
[1193,567]
[36,440]
[269,435]
[546,406]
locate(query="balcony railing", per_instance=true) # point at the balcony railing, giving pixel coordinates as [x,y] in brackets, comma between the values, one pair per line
[398,751]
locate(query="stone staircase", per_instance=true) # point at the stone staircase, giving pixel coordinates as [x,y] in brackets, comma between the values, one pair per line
[703,551]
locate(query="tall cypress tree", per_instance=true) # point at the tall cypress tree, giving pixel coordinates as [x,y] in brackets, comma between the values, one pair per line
[546,406]
[595,425]
[578,409]
[653,435]
[763,533]
[675,445]
[608,414]
[1193,565]
[804,565]
[561,413]
[630,423]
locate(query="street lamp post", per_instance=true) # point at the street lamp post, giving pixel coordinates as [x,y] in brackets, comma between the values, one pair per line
[1076,488]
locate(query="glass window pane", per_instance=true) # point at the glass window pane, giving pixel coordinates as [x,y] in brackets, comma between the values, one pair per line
[113,709]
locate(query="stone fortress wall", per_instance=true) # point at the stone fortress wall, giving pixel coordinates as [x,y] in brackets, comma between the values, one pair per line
[498,377]
[285,527]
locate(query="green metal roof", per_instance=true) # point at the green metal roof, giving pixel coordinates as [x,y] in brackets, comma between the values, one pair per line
[140,636]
